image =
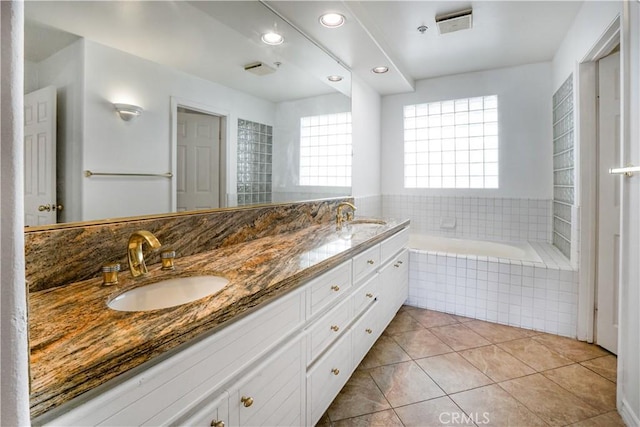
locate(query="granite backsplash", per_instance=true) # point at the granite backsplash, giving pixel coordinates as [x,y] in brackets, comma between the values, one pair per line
[66,255]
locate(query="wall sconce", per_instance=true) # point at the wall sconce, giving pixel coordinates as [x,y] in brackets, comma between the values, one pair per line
[128,112]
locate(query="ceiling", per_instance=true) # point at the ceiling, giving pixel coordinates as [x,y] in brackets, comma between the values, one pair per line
[504,34]
[183,35]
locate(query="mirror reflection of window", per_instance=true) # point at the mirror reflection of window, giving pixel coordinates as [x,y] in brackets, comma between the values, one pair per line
[325,150]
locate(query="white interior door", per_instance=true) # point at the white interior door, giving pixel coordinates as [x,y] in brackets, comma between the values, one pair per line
[608,255]
[40,157]
[198,161]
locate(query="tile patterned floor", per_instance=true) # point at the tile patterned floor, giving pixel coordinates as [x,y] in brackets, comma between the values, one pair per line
[437,369]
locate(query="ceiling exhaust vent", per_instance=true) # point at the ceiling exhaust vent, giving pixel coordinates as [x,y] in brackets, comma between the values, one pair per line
[456,21]
[259,68]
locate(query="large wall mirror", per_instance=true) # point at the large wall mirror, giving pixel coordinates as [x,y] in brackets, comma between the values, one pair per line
[211,115]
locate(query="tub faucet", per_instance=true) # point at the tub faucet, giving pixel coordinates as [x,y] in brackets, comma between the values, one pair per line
[136,257]
[340,217]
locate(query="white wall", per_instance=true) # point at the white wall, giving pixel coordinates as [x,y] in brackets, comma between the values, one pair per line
[366,107]
[589,25]
[525,134]
[143,145]
[14,356]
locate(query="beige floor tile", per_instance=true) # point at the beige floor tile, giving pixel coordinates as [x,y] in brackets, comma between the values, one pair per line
[430,318]
[496,363]
[433,413]
[492,406]
[386,418]
[606,366]
[495,332]
[421,343]
[587,385]
[384,352]
[555,405]
[401,323]
[610,419]
[575,350]
[534,354]
[358,397]
[405,383]
[459,337]
[453,373]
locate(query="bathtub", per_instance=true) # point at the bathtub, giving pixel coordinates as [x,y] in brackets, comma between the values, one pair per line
[513,283]
[521,251]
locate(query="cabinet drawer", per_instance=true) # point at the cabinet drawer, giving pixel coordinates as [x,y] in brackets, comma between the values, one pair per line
[272,394]
[394,244]
[327,377]
[329,287]
[211,412]
[365,332]
[366,263]
[365,294]
[328,328]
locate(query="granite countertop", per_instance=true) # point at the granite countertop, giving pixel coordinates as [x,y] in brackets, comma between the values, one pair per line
[78,343]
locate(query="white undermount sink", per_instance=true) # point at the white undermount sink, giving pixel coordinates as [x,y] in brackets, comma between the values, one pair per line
[168,293]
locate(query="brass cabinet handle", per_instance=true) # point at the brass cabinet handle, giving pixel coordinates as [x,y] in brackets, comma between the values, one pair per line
[335,328]
[335,371]
[335,288]
[370,261]
[399,262]
[369,331]
[59,207]
[246,401]
[369,295]
[396,265]
[217,423]
[46,207]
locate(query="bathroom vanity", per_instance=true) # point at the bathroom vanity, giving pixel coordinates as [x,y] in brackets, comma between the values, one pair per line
[273,348]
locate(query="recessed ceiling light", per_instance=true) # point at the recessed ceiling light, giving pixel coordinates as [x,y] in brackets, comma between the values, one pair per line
[332,20]
[272,38]
[380,70]
[334,78]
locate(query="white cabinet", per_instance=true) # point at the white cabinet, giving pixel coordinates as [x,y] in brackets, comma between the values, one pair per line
[280,365]
[271,394]
[211,413]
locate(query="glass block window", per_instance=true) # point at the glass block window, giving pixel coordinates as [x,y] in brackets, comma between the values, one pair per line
[452,144]
[325,150]
[255,147]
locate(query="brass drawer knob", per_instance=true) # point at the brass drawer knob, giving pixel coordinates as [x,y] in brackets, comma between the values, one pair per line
[369,331]
[335,288]
[369,295]
[335,371]
[370,261]
[217,423]
[246,401]
[335,328]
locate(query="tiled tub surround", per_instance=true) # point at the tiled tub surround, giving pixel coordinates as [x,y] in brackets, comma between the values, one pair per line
[483,218]
[77,343]
[540,296]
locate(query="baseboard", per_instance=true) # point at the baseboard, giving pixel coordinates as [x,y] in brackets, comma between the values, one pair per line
[630,418]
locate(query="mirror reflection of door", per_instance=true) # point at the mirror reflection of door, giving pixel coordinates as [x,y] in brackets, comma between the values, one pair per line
[40,205]
[198,160]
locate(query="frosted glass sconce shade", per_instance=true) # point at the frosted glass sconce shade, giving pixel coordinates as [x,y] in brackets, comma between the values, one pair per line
[128,112]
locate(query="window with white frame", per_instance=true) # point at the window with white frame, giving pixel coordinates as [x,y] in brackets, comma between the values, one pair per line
[325,150]
[452,144]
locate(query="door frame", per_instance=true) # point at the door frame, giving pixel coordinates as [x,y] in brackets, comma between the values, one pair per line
[586,138]
[225,133]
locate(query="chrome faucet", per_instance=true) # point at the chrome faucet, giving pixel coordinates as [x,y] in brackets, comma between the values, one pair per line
[340,217]
[136,257]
